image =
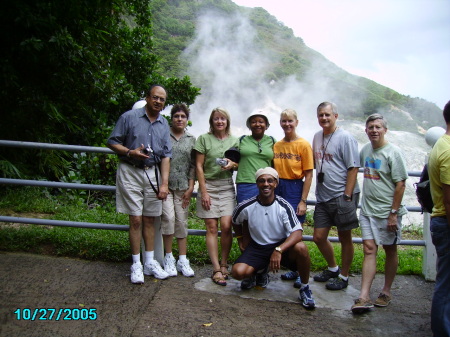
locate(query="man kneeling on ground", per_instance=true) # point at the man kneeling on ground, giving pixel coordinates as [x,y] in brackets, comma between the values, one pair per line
[275,238]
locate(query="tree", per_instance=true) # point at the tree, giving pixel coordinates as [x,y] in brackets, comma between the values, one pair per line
[70,67]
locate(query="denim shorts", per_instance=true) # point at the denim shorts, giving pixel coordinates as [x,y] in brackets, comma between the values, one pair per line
[337,212]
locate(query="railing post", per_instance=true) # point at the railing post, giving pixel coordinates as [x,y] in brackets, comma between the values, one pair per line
[429,251]
[159,245]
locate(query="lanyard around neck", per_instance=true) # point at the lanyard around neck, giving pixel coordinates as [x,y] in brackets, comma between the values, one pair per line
[324,149]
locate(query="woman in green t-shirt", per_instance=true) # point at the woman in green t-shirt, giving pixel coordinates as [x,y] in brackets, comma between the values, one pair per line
[216,195]
[256,152]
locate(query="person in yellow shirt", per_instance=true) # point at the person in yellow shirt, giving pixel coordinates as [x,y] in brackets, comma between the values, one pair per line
[439,172]
[294,161]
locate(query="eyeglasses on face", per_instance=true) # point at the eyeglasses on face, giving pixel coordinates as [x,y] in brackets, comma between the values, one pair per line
[157,98]
[263,181]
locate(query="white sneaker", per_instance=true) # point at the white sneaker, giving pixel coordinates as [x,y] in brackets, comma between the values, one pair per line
[153,268]
[137,276]
[185,268]
[169,266]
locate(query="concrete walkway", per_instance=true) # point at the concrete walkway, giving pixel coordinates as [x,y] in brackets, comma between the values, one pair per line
[190,306]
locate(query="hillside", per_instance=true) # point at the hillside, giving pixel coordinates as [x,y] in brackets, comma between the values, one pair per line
[255,58]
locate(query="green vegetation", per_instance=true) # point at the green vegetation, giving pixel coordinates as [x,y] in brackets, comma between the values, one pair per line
[174,25]
[109,245]
[69,69]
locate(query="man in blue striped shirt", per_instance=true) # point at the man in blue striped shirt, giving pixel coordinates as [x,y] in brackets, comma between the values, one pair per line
[141,139]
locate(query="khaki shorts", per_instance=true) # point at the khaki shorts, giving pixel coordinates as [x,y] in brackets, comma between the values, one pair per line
[174,216]
[134,194]
[373,228]
[223,199]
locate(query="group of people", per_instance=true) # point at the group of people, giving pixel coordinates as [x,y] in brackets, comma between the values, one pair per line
[159,165]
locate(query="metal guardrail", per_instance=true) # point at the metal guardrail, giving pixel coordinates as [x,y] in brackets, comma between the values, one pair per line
[79,148]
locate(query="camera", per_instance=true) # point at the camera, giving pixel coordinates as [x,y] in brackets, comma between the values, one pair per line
[221,162]
[320,177]
[147,151]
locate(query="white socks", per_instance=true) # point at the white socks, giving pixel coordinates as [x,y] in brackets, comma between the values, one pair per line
[149,256]
[136,258]
[345,278]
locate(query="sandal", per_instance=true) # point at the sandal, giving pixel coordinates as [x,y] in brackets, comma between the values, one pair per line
[218,280]
[226,273]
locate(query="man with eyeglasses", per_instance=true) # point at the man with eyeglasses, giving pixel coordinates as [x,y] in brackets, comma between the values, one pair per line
[275,238]
[141,139]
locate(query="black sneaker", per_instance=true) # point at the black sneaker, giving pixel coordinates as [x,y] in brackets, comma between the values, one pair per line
[336,284]
[262,279]
[326,275]
[248,283]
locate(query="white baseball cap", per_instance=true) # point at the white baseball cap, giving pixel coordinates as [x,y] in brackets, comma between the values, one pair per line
[260,114]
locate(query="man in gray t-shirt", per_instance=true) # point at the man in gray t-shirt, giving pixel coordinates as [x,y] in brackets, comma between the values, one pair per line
[336,160]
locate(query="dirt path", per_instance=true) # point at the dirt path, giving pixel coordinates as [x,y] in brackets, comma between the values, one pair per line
[189,306]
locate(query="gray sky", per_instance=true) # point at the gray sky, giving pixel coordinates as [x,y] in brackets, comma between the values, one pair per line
[402,44]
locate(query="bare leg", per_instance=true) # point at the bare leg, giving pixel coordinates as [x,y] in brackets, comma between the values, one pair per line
[182,246]
[211,242]
[390,268]
[241,271]
[135,233]
[226,238]
[148,232]
[320,238]
[168,239]
[369,268]
[300,254]
[348,250]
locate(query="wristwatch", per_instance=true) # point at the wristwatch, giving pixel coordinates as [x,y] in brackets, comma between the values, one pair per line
[347,197]
[279,250]
[394,211]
